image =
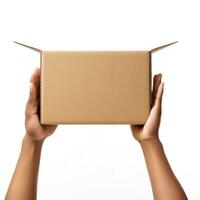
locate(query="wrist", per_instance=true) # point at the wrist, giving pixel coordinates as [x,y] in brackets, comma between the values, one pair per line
[31,150]
[150,142]
[28,141]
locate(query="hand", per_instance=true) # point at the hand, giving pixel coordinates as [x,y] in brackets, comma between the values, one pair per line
[151,127]
[34,130]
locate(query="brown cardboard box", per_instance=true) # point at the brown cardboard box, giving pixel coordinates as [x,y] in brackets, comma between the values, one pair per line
[95,87]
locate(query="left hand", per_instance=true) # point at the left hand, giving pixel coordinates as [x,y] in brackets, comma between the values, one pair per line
[34,130]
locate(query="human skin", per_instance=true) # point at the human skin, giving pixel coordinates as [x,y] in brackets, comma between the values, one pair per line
[164,183]
[23,185]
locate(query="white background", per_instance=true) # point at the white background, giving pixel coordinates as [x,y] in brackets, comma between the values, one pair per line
[87,162]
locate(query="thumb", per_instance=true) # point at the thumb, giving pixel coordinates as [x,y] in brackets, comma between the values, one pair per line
[159,94]
[32,93]
[31,107]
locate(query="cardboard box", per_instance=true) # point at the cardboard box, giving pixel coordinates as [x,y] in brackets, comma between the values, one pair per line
[95,87]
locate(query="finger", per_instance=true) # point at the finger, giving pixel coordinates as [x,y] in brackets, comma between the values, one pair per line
[33,89]
[37,76]
[155,80]
[36,80]
[38,71]
[156,84]
[159,94]
[32,92]
[32,104]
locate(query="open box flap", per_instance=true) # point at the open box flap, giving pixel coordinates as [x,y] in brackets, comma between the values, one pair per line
[151,51]
[30,47]
[162,47]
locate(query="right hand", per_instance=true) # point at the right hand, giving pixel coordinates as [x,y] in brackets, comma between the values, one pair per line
[151,127]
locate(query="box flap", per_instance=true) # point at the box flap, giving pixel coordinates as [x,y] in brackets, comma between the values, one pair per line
[151,51]
[30,47]
[162,47]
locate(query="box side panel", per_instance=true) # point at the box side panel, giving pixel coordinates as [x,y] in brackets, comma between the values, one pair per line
[150,81]
[41,91]
[132,75]
[78,87]
[95,87]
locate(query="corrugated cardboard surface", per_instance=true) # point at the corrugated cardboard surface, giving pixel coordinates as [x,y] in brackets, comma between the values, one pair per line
[95,87]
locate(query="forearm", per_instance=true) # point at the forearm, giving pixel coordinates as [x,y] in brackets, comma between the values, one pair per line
[23,185]
[165,186]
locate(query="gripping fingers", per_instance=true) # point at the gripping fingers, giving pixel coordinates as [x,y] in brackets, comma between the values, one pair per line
[159,94]
[31,106]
